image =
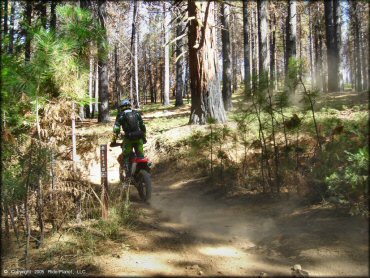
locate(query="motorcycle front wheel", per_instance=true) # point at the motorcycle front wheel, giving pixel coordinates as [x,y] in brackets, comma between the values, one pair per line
[144,186]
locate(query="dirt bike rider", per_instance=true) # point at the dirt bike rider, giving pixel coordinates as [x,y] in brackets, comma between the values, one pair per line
[135,132]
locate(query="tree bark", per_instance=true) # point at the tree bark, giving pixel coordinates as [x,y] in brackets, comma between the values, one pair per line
[234,59]
[11,29]
[5,17]
[331,45]
[179,65]
[311,46]
[103,70]
[247,75]
[272,49]
[226,56]
[167,19]
[28,15]
[53,15]
[291,32]
[318,57]
[133,42]
[41,10]
[203,65]
[262,42]
[356,25]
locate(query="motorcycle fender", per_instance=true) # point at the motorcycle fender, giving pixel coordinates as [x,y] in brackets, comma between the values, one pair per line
[133,168]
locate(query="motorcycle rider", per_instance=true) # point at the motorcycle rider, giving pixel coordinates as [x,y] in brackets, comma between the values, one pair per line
[134,129]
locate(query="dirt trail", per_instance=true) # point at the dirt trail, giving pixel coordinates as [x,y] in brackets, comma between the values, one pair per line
[190,229]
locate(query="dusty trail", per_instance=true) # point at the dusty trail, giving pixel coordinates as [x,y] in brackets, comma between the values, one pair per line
[189,229]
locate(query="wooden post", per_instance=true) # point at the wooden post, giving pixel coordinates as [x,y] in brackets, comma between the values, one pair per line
[104,180]
[73,117]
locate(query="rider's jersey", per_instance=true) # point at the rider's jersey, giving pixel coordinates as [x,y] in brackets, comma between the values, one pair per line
[124,118]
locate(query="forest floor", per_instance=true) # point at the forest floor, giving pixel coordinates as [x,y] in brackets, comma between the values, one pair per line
[193,227]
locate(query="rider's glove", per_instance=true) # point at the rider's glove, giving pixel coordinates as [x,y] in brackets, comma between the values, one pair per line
[114,138]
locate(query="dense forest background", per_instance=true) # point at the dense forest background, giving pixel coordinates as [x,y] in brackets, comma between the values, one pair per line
[279,87]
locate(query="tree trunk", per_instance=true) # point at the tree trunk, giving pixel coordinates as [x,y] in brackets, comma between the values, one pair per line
[41,9]
[291,33]
[116,76]
[85,4]
[363,58]
[254,47]
[356,26]
[203,65]
[6,221]
[40,208]
[103,116]
[247,74]
[91,76]
[137,99]
[28,15]
[310,46]
[5,17]
[338,43]
[133,41]
[11,31]
[226,56]
[167,19]
[318,58]
[234,59]
[262,42]
[331,45]
[272,49]
[53,16]
[179,64]
[96,83]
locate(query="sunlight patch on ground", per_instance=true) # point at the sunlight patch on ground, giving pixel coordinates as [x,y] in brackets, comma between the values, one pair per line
[224,251]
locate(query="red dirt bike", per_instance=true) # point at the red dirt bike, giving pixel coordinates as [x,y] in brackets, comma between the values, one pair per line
[139,174]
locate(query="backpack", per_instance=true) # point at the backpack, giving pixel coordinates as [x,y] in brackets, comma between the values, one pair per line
[132,121]
[133,130]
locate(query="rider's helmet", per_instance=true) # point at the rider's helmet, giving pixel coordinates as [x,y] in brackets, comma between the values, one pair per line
[125,104]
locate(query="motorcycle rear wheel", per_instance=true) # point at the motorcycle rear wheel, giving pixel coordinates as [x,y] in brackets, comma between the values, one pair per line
[144,186]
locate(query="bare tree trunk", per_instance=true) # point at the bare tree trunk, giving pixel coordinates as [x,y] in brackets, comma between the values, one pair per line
[356,25]
[234,59]
[291,32]
[167,19]
[137,99]
[96,106]
[203,65]
[318,55]
[272,49]
[91,86]
[15,228]
[28,227]
[254,50]
[331,45]
[226,57]
[310,47]
[5,17]
[103,116]
[179,64]
[11,31]
[28,14]
[40,208]
[6,220]
[53,16]
[363,58]
[247,74]
[262,42]
[117,87]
